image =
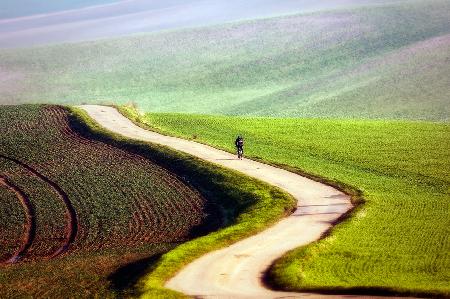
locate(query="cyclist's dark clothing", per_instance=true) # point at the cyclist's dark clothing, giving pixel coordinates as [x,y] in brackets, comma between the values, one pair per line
[239,143]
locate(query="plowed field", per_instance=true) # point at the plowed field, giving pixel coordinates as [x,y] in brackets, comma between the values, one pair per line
[74,210]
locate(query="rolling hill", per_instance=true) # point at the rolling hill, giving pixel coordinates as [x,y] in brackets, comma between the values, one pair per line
[380,61]
[26,23]
[74,197]
[397,241]
[72,204]
[84,212]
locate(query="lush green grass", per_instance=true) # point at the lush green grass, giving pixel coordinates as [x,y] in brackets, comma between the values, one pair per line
[384,61]
[398,241]
[108,238]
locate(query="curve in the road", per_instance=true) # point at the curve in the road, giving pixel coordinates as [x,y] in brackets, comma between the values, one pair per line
[236,271]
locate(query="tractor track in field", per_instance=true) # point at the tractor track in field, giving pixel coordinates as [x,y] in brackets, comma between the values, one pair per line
[237,271]
[30,225]
[71,215]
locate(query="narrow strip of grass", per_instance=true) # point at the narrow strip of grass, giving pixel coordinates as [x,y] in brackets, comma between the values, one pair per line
[245,205]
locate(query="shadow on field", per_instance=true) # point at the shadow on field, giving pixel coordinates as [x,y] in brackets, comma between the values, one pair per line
[124,279]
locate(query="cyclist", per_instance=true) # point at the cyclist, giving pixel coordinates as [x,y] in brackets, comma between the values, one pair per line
[239,143]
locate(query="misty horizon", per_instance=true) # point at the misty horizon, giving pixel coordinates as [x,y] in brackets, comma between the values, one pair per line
[70,22]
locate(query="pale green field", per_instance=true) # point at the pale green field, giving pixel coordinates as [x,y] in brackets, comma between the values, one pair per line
[384,61]
[19,8]
[398,241]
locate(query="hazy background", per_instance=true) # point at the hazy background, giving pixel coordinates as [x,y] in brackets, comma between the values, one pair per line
[33,22]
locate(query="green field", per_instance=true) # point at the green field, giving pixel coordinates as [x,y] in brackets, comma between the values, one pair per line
[380,61]
[356,97]
[398,241]
[118,218]
[85,212]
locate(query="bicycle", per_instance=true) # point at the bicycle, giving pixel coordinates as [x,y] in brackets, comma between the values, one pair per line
[240,153]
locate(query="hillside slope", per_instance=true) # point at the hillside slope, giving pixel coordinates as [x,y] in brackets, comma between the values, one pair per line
[68,202]
[85,212]
[81,20]
[382,61]
[398,240]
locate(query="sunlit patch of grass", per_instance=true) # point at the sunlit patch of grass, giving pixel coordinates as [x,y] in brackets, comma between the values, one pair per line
[397,242]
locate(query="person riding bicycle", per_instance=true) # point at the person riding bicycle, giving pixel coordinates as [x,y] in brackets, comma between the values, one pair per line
[239,142]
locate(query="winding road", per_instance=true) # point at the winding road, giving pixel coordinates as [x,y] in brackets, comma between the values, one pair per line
[236,271]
